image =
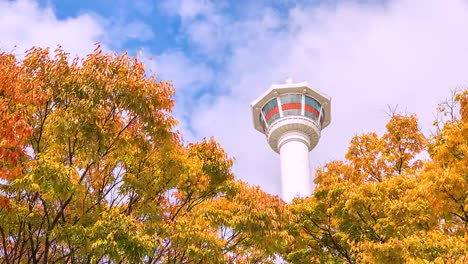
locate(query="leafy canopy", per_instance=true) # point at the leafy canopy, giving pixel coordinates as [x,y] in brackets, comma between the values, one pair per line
[93,171]
[383,204]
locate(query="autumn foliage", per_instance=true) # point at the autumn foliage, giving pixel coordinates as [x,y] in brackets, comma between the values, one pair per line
[387,202]
[93,171]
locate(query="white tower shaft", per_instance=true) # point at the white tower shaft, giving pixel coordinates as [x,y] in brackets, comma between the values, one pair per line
[295,170]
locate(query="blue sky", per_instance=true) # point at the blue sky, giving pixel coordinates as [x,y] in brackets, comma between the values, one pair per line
[121,13]
[221,55]
[164,24]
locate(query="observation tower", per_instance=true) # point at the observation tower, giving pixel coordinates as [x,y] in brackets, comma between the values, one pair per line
[292,116]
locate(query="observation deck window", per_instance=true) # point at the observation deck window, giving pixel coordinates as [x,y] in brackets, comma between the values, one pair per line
[312,108]
[291,104]
[271,111]
[322,118]
[262,121]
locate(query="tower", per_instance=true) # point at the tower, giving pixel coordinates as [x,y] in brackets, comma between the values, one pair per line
[292,116]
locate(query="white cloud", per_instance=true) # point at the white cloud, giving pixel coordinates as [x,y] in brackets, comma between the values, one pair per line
[136,30]
[365,56]
[191,75]
[203,22]
[189,9]
[25,24]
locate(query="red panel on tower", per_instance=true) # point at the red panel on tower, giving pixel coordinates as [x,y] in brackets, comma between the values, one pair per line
[312,110]
[291,106]
[272,112]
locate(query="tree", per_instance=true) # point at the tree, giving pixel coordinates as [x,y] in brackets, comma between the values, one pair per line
[93,171]
[384,205]
[14,130]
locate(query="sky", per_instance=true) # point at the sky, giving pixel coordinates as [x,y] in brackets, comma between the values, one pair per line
[221,55]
